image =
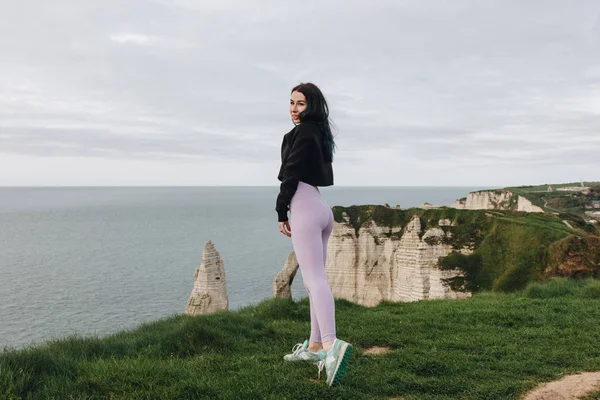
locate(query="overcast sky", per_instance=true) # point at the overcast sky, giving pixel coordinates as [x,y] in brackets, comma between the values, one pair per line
[183,92]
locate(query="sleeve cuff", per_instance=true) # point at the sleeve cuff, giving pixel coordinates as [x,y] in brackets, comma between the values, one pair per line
[282,216]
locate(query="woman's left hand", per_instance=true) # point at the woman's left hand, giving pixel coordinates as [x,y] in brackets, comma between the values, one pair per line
[284,227]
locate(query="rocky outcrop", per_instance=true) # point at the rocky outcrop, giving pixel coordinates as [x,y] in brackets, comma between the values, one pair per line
[380,263]
[429,206]
[417,276]
[524,204]
[341,261]
[495,200]
[209,294]
[594,216]
[282,285]
[574,257]
[485,200]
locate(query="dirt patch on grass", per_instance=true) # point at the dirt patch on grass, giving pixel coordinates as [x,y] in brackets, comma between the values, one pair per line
[376,350]
[571,387]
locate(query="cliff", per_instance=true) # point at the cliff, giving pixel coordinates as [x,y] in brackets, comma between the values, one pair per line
[378,264]
[377,253]
[563,198]
[501,199]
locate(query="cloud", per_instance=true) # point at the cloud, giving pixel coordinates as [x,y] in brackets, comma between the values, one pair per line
[135,38]
[432,88]
[144,40]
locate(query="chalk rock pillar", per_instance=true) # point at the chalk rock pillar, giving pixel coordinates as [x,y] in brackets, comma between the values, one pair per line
[209,294]
[282,285]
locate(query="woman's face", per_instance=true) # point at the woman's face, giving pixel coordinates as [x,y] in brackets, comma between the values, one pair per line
[297,105]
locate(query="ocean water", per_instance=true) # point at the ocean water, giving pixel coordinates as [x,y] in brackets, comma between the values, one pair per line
[97,260]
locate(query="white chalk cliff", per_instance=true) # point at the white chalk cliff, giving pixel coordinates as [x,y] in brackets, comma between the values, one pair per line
[525,205]
[387,263]
[496,200]
[209,294]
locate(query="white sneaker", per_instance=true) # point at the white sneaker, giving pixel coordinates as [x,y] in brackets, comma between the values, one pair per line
[300,352]
[335,361]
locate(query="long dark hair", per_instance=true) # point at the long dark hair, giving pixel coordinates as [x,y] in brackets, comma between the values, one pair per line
[317,111]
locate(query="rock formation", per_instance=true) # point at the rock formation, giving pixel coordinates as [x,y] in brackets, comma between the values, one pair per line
[378,264]
[495,200]
[417,276]
[429,206]
[209,294]
[524,204]
[283,281]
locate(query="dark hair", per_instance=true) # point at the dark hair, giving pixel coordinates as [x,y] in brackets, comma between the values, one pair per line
[317,111]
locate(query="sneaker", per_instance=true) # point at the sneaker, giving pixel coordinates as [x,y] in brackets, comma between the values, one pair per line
[300,352]
[335,361]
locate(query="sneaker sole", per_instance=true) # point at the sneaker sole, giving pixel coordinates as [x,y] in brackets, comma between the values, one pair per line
[340,369]
[299,360]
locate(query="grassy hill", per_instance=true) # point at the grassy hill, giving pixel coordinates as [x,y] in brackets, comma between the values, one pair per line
[559,201]
[491,346]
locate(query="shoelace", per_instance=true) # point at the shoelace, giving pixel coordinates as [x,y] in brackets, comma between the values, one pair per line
[321,366]
[297,349]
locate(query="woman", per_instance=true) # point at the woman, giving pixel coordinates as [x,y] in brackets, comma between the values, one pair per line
[306,163]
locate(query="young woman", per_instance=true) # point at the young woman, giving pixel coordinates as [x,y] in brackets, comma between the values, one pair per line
[306,163]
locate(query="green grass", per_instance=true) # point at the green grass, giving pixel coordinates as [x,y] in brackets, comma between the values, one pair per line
[560,287]
[491,346]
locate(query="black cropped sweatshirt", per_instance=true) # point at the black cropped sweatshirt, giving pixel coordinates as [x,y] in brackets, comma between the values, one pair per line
[303,158]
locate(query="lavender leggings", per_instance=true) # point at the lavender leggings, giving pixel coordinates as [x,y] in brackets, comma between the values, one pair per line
[311,224]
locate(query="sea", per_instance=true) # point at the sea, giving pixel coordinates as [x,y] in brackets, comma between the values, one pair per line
[91,261]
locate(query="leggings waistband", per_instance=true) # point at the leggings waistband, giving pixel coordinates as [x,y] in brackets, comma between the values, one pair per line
[304,187]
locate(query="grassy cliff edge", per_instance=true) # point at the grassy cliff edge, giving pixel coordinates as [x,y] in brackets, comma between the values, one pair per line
[491,346]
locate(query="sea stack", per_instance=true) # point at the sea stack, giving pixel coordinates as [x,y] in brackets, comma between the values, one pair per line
[282,285]
[209,294]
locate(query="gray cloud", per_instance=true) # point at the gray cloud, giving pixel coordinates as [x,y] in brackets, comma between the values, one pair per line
[426,87]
